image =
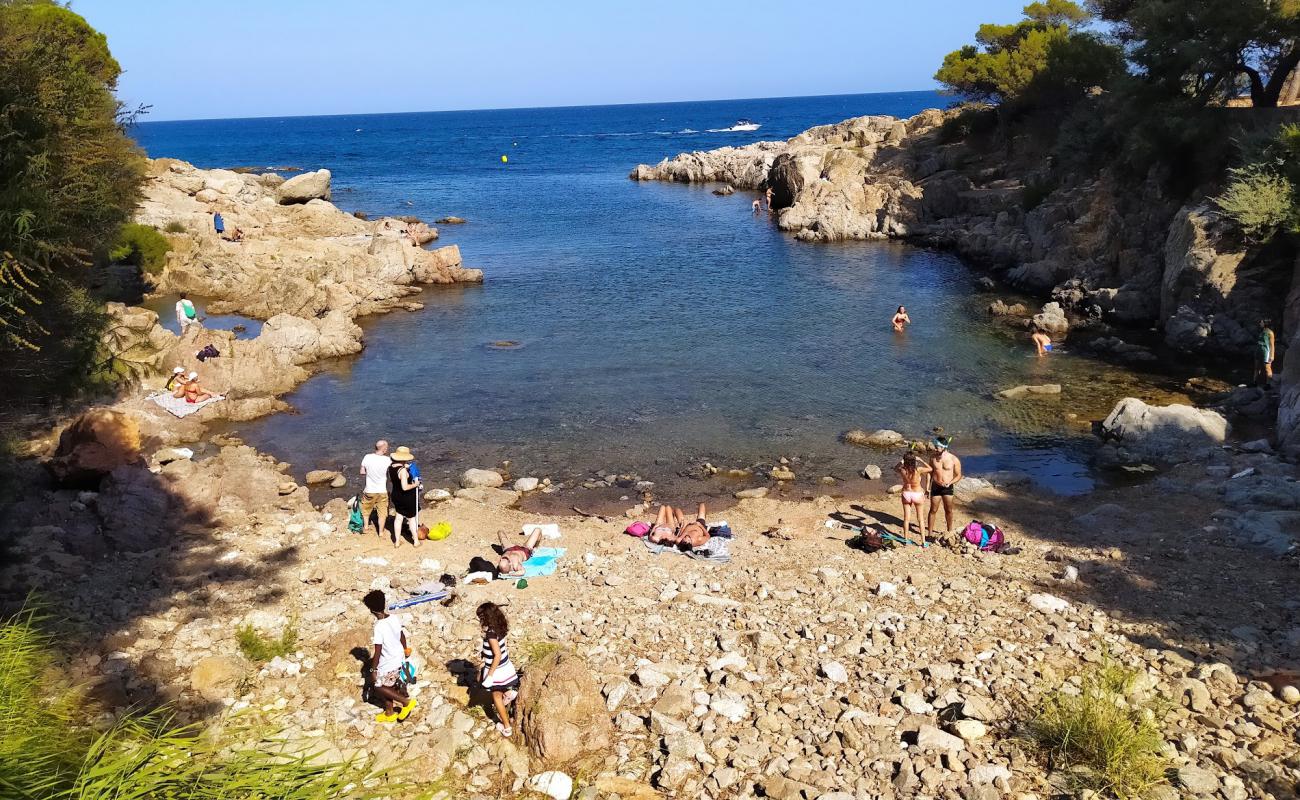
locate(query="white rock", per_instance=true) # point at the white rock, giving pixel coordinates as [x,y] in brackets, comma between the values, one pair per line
[481,479]
[730,661]
[1048,604]
[931,738]
[552,784]
[834,672]
[985,774]
[436,495]
[526,484]
[1070,574]
[970,730]
[885,589]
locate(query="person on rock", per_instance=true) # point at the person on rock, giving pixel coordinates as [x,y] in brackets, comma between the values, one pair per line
[186,314]
[498,675]
[391,650]
[945,472]
[1042,342]
[405,495]
[194,391]
[511,563]
[915,475]
[374,498]
[673,527]
[1267,348]
[176,383]
[901,320]
[218,224]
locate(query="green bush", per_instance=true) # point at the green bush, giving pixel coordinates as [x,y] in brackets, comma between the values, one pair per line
[1260,202]
[1104,738]
[175,226]
[142,246]
[48,752]
[259,647]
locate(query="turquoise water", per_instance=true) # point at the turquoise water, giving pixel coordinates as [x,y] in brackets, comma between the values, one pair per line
[657,324]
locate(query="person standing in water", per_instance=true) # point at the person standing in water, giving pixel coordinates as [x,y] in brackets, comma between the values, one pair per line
[767,195]
[1042,342]
[901,319]
[914,474]
[946,471]
[1267,348]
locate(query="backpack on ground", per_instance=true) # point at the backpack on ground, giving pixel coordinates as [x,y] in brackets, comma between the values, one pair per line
[356,523]
[984,535]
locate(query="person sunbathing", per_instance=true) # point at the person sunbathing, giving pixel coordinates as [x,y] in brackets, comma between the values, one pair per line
[672,527]
[511,563]
[194,392]
[176,383]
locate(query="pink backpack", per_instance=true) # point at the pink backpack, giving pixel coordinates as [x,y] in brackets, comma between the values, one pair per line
[984,536]
[637,529]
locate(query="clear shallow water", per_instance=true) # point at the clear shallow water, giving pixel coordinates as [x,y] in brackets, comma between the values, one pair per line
[656,323]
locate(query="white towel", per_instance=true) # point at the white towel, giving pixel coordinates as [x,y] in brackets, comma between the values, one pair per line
[549,530]
[179,406]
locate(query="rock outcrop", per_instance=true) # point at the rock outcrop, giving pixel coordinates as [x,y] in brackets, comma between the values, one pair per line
[1163,433]
[561,713]
[95,444]
[304,188]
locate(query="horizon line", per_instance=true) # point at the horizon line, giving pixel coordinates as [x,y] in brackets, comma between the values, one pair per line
[531,108]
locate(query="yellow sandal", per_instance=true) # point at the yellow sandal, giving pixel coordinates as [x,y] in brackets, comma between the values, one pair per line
[406,710]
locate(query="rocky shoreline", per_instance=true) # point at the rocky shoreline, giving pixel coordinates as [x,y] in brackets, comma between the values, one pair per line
[803,669]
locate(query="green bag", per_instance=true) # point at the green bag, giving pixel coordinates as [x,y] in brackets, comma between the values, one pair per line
[356,523]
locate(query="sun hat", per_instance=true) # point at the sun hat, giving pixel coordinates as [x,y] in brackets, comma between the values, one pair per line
[178,370]
[192,375]
[402,453]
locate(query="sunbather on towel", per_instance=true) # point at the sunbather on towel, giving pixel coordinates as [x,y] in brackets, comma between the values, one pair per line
[511,563]
[194,392]
[673,527]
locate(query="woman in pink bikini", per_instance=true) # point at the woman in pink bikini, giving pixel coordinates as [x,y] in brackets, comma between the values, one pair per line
[915,475]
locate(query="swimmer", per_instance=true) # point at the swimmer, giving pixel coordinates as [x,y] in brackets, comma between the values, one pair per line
[758,206]
[901,319]
[1042,342]
[915,475]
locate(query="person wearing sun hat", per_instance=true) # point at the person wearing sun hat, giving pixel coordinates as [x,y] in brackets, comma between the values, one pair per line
[946,472]
[405,495]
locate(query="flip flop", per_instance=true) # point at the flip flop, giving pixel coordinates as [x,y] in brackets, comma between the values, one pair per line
[406,710]
[504,731]
[385,719]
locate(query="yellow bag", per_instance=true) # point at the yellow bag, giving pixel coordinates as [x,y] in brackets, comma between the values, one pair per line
[440,531]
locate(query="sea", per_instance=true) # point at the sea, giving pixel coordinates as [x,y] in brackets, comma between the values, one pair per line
[646,329]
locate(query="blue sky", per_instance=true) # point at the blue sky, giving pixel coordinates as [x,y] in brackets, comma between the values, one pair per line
[246,58]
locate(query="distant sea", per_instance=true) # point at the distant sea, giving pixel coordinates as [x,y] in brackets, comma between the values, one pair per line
[657,324]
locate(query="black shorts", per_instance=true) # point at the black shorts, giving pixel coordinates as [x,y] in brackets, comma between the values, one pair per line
[939,490]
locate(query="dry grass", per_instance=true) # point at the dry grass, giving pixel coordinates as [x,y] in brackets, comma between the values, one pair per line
[1101,735]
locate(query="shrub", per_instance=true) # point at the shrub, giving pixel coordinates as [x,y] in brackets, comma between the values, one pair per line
[175,226]
[142,246]
[260,647]
[1108,741]
[45,752]
[1036,191]
[1258,201]
[533,652]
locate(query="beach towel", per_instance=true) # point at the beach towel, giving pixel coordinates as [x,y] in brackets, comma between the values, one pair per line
[717,550]
[177,405]
[545,560]
[428,597]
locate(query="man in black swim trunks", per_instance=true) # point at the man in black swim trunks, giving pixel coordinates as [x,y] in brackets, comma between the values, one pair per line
[946,472]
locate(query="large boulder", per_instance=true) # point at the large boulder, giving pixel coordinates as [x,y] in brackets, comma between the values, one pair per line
[214,678]
[95,444]
[1163,433]
[304,187]
[1052,319]
[481,479]
[561,713]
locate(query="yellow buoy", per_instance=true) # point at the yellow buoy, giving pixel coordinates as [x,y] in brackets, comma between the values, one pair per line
[504,159]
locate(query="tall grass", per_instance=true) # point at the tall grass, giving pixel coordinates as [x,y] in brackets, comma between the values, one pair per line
[259,647]
[1107,740]
[48,752]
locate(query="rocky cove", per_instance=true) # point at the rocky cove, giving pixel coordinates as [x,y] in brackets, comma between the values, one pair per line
[658,676]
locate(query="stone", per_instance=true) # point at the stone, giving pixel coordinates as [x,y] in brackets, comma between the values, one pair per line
[1052,320]
[304,188]
[214,677]
[498,498]
[319,476]
[650,676]
[553,784]
[437,495]
[782,473]
[834,672]
[1019,392]
[524,485]
[886,589]
[561,713]
[930,738]
[96,443]
[1197,781]
[1163,433]
[871,472]
[970,730]
[339,482]
[752,494]
[451,221]
[986,774]
[725,190]
[883,438]
[1048,604]
[1289,694]
[481,479]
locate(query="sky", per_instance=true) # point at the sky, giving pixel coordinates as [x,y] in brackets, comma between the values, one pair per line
[254,58]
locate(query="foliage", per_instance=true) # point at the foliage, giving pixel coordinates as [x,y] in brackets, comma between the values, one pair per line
[259,647]
[1043,60]
[1205,50]
[532,652]
[142,246]
[175,226]
[973,119]
[1106,739]
[69,175]
[47,754]
[1260,202]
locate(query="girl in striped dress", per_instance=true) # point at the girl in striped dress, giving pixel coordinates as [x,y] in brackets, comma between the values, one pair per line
[498,676]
